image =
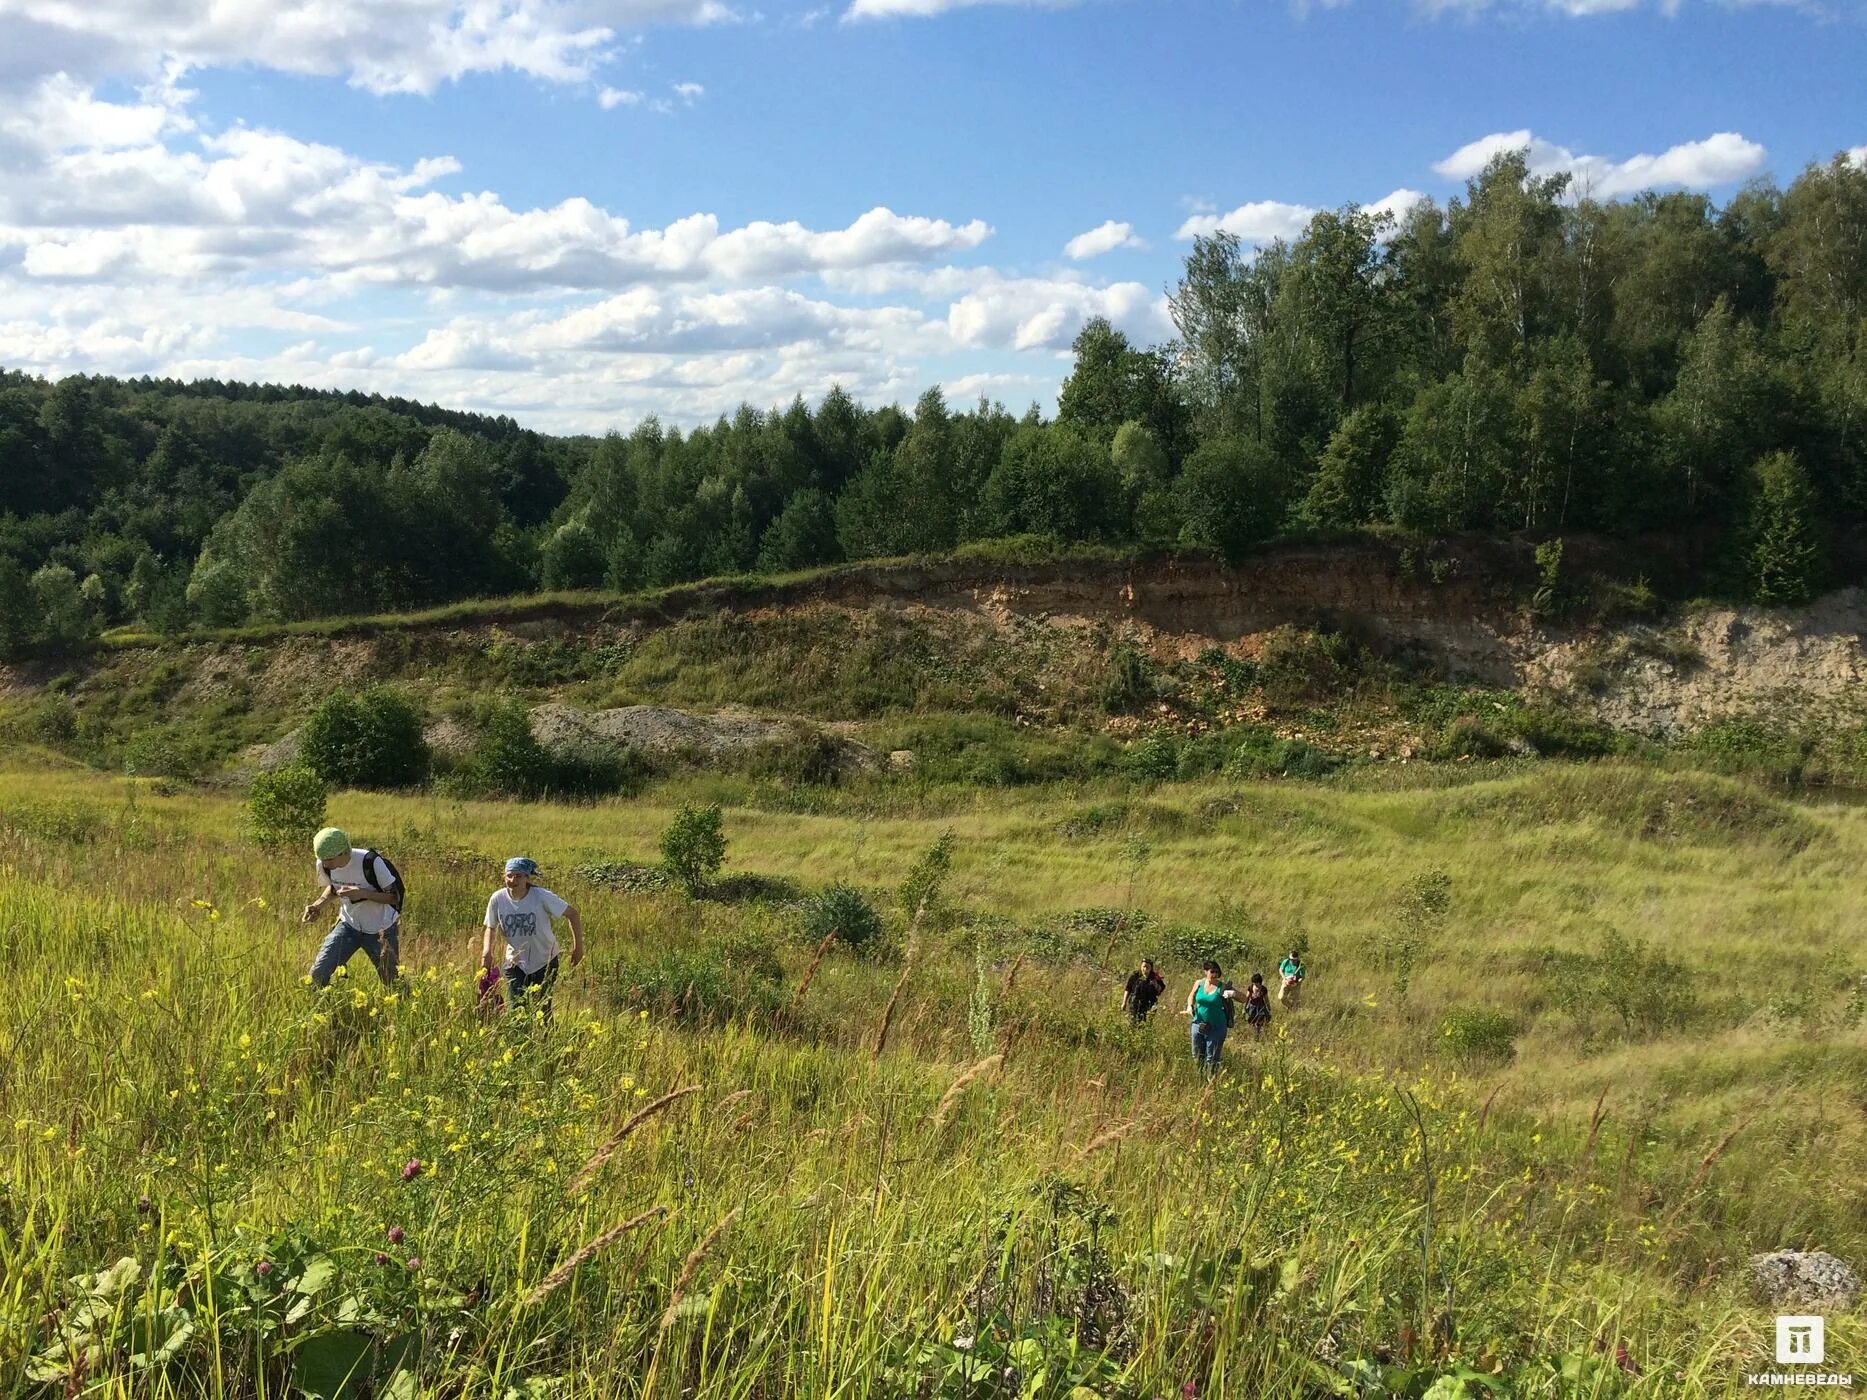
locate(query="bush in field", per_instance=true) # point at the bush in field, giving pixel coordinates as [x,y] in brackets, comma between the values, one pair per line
[693,848]
[285,808]
[507,761]
[698,985]
[1479,1035]
[1155,756]
[370,739]
[845,911]
[1645,991]
[1261,754]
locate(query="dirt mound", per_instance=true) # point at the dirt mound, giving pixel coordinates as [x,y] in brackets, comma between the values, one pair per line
[1684,808]
[1719,663]
[657,730]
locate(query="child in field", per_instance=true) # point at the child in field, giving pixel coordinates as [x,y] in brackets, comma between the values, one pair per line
[1293,972]
[1144,987]
[1258,1005]
[368,891]
[523,912]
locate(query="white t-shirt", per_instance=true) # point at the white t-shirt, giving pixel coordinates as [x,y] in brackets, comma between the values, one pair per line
[531,942]
[363,915]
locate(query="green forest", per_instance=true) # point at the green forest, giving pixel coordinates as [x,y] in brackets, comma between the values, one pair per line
[1523,358]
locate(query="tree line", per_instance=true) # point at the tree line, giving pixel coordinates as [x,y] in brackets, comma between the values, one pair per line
[1523,358]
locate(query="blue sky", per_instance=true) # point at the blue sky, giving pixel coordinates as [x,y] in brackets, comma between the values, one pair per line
[580,212]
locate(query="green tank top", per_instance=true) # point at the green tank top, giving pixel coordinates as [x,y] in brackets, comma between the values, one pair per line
[1209,1007]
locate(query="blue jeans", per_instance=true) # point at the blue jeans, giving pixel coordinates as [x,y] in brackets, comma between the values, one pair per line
[342,944]
[1207,1042]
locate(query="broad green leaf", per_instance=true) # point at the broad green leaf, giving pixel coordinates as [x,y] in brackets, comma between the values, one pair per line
[327,1366]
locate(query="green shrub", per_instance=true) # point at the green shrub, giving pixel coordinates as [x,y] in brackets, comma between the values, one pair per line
[1295,666]
[69,823]
[920,892]
[1189,945]
[693,848]
[1479,1035]
[1155,756]
[804,757]
[1471,737]
[1638,990]
[1258,753]
[626,876]
[367,740]
[1130,680]
[1558,734]
[285,808]
[981,751]
[845,911]
[595,770]
[697,985]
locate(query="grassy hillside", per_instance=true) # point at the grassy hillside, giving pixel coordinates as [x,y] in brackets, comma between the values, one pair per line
[1577,1040]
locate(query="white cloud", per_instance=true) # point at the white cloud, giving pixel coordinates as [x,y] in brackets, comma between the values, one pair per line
[1045,314]
[611,98]
[252,201]
[689,92]
[405,46]
[1720,159]
[1398,204]
[132,242]
[1105,238]
[1858,156]
[921,9]
[1259,222]
[1584,9]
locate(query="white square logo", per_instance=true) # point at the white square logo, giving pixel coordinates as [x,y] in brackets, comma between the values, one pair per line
[1800,1341]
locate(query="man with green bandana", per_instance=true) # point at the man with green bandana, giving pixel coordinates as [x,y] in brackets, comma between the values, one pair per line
[369,895]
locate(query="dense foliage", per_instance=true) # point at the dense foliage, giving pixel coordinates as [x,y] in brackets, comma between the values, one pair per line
[1524,358]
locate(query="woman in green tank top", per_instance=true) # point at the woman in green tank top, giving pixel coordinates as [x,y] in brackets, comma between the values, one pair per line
[1206,1004]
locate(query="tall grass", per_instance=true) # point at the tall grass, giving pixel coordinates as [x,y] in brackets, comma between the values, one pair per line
[447,1204]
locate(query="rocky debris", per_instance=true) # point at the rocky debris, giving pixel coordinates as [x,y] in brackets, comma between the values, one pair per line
[656,730]
[1812,1279]
[901,760]
[1717,664]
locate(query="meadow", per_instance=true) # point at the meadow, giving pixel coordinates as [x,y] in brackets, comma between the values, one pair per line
[1578,1039]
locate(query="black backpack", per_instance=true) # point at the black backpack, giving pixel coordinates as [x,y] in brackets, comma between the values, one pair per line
[375,863]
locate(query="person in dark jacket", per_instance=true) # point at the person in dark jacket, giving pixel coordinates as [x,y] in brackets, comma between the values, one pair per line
[1145,985]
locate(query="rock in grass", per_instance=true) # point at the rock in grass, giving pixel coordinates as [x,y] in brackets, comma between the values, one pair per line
[1804,1279]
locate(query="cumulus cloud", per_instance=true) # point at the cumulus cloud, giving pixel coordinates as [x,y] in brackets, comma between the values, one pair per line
[124,203]
[1584,9]
[1105,238]
[1036,313]
[408,46]
[132,241]
[1719,159]
[1258,222]
[921,9]
[1858,156]
[1267,220]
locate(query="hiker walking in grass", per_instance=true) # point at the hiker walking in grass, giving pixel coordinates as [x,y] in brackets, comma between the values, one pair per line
[522,913]
[369,894]
[1210,1006]
[1145,985]
[1258,1005]
[1293,972]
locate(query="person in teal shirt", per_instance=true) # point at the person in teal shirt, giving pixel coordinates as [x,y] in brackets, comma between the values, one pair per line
[1207,1004]
[1293,972]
